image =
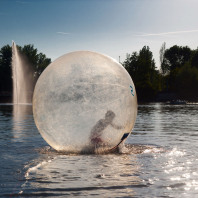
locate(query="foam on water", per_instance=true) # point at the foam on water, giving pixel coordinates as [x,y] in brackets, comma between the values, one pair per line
[118,171]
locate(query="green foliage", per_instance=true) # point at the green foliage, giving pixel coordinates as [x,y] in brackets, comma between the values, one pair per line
[5,68]
[175,57]
[141,67]
[179,72]
[180,66]
[194,60]
[38,61]
[187,82]
[42,63]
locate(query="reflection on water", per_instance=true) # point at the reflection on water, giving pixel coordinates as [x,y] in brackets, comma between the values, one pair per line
[159,159]
[84,175]
[21,120]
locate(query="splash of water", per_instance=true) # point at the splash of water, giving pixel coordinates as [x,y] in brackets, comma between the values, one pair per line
[22,77]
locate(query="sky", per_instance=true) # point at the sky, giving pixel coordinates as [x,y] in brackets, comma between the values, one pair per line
[111,27]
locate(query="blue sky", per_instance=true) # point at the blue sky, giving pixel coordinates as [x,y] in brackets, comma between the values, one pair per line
[112,27]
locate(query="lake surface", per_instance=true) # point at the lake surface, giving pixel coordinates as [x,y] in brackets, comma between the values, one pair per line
[160,158]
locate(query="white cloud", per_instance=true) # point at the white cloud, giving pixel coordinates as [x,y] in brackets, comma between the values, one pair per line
[168,33]
[62,33]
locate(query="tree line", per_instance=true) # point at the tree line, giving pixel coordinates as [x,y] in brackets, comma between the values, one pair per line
[178,72]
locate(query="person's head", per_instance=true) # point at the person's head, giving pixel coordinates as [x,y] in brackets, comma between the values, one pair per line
[110,115]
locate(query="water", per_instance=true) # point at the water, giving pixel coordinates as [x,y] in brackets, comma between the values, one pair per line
[159,160]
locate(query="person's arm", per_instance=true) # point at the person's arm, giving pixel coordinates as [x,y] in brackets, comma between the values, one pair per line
[116,126]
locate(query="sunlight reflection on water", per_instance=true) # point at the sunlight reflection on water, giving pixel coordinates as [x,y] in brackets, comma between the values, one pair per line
[159,160]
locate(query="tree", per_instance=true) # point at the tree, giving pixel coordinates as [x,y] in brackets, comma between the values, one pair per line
[194,61]
[162,51]
[164,69]
[186,82]
[141,67]
[38,61]
[131,65]
[5,68]
[42,63]
[176,57]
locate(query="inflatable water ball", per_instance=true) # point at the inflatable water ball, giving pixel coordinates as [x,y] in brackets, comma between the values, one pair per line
[84,100]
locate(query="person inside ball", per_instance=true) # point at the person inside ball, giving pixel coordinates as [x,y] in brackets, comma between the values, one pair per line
[97,130]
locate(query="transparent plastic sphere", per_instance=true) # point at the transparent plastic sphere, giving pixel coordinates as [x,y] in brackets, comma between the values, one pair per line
[84,100]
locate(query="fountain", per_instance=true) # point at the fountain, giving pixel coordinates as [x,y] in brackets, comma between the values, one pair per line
[22,77]
[23,84]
